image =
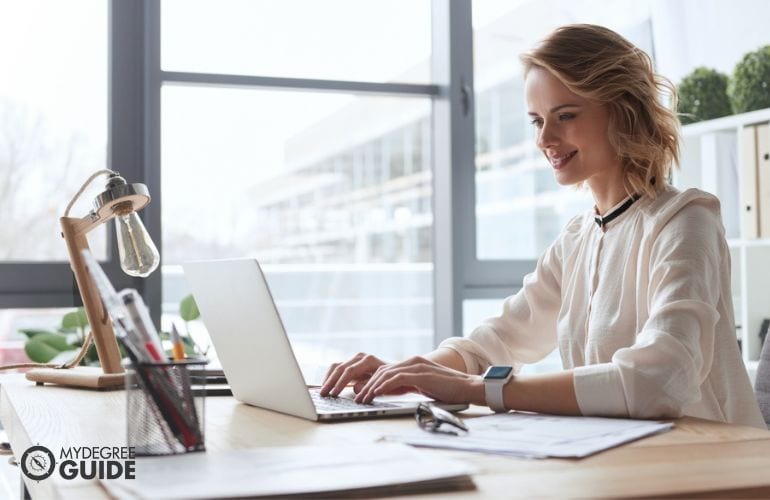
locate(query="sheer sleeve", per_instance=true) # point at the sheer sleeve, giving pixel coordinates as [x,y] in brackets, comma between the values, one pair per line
[663,370]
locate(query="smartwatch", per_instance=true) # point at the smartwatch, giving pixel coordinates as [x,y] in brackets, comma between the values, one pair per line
[495,379]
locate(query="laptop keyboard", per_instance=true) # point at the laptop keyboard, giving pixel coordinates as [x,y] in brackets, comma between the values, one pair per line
[330,403]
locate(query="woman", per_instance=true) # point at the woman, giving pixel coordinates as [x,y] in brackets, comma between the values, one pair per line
[635,293]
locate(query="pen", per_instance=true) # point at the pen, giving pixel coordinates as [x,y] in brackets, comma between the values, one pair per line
[139,315]
[177,348]
[154,354]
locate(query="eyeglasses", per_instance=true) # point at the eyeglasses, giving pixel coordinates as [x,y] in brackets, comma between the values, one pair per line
[430,418]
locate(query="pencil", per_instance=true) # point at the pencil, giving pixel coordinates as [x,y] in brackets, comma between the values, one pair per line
[177,347]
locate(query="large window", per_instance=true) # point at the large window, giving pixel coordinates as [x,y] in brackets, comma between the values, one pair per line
[331,191]
[53,120]
[53,134]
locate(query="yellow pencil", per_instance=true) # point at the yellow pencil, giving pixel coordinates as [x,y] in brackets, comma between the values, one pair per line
[177,347]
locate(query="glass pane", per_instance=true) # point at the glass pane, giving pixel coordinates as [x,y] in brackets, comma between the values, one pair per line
[53,120]
[372,40]
[520,209]
[331,192]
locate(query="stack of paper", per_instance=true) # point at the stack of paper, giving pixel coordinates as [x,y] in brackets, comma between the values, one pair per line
[537,436]
[377,469]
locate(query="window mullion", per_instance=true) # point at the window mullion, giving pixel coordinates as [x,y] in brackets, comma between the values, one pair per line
[453,160]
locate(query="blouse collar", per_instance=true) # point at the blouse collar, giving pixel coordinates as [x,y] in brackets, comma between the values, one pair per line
[614,212]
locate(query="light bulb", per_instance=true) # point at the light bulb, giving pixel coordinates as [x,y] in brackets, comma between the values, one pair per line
[138,255]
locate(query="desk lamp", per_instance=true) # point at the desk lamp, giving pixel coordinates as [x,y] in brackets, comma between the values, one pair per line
[138,257]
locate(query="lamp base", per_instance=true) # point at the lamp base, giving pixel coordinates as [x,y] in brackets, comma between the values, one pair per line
[81,376]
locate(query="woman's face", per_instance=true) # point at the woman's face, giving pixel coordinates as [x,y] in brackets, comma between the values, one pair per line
[571,132]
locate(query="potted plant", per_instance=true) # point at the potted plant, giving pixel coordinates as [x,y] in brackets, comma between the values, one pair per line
[703,96]
[62,344]
[749,87]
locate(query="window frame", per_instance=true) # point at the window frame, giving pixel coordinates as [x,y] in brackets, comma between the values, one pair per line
[52,284]
[459,274]
[134,146]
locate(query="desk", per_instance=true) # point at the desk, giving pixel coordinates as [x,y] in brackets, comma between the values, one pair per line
[698,458]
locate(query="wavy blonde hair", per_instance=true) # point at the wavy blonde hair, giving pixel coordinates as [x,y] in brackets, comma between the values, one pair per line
[600,65]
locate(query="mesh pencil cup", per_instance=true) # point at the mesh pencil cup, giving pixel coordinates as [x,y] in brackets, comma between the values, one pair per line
[164,416]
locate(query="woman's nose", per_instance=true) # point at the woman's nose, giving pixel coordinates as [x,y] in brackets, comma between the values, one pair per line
[547,137]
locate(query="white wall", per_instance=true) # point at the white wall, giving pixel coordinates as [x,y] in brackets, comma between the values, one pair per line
[712,33]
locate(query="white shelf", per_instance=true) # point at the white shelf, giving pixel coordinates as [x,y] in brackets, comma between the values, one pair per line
[713,160]
[726,123]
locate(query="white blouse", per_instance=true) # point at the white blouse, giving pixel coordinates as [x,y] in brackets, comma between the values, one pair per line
[641,309]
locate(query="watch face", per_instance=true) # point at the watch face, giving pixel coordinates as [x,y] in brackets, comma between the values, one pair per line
[498,372]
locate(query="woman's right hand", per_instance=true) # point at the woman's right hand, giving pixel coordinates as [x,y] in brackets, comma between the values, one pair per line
[357,370]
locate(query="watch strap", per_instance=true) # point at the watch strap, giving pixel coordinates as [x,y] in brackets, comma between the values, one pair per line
[493,391]
[494,386]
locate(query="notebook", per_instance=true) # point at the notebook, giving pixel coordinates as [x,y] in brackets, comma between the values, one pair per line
[254,350]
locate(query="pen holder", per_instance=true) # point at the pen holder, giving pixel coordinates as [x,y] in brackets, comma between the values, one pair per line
[164,415]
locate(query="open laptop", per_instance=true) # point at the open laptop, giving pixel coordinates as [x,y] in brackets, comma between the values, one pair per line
[247,332]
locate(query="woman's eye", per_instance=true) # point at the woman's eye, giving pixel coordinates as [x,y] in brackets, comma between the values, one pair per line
[566,116]
[537,122]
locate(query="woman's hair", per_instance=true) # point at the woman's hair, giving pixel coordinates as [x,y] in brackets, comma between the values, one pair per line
[599,65]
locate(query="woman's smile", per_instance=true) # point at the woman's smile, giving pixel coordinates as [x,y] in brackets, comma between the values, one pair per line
[560,161]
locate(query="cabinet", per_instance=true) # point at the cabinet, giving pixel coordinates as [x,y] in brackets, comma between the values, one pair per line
[730,157]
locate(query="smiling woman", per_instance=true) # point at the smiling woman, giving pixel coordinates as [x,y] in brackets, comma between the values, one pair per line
[625,122]
[635,294]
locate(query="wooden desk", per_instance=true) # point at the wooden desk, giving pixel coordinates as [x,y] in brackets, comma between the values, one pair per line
[698,458]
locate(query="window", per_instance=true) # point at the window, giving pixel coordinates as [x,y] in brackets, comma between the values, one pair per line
[322,187]
[55,127]
[53,121]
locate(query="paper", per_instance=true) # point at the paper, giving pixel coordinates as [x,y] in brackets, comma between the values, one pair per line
[537,436]
[301,470]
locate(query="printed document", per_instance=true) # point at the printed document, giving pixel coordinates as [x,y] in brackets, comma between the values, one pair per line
[536,435]
[314,471]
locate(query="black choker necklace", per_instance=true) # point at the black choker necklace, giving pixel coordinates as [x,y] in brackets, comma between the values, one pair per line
[603,221]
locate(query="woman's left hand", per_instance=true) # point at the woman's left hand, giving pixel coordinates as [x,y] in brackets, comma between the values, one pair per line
[427,377]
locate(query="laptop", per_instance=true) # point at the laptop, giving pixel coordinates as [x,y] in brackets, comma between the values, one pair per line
[254,350]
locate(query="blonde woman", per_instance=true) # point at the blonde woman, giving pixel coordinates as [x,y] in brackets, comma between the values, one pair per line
[635,294]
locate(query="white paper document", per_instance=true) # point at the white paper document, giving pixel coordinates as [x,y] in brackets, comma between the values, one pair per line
[379,468]
[537,436]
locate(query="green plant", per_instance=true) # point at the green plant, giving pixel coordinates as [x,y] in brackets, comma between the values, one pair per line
[45,346]
[703,96]
[62,344]
[749,87]
[188,309]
